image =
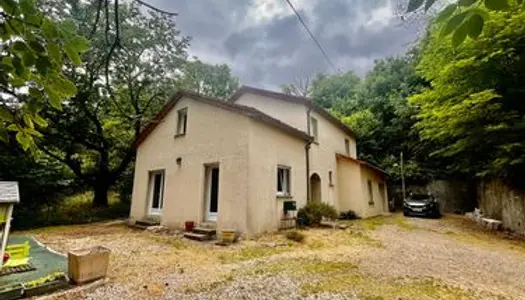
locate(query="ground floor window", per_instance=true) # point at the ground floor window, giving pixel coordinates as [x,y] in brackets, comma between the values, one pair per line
[283,181]
[156,187]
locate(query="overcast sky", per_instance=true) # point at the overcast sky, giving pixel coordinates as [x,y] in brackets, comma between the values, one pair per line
[266,46]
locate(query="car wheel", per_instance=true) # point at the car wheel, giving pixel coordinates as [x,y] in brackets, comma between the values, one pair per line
[405,213]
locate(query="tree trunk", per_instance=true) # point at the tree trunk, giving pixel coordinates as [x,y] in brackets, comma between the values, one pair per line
[101,195]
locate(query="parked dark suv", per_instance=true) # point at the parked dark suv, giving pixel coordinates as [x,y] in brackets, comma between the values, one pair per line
[424,205]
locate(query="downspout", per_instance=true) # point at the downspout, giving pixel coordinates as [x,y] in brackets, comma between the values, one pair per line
[307,155]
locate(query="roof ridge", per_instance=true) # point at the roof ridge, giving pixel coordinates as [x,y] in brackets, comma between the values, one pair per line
[294,99]
[247,111]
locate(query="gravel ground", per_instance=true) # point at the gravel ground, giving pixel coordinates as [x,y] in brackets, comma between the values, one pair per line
[386,258]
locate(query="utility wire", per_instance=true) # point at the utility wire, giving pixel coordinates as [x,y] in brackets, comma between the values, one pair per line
[311,34]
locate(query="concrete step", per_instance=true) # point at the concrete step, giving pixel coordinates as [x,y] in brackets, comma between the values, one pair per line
[196,236]
[141,227]
[147,222]
[203,230]
[208,225]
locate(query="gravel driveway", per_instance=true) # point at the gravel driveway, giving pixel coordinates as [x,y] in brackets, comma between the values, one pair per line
[382,258]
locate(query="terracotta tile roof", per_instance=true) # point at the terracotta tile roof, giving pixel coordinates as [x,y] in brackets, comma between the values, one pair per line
[240,109]
[362,163]
[294,99]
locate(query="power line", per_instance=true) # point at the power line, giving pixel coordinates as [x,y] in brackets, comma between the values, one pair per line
[311,34]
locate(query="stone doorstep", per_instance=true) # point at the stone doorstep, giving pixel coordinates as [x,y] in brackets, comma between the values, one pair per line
[147,223]
[208,225]
[197,236]
[204,230]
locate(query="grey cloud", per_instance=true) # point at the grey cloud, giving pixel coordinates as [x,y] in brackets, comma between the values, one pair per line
[277,50]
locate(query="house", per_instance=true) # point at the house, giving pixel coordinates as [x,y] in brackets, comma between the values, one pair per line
[236,163]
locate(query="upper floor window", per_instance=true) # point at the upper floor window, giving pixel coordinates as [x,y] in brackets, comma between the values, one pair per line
[182,121]
[347,147]
[314,128]
[283,181]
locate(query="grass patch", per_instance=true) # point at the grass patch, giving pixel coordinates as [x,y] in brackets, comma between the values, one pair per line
[375,222]
[328,238]
[368,287]
[248,253]
[298,267]
[76,209]
[173,241]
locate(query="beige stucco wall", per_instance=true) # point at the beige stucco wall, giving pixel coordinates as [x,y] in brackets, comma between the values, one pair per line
[322,154]
[269,148]
[331,140]
[353,191]
[214,135]
[350,193]
[380,197]
[291,113]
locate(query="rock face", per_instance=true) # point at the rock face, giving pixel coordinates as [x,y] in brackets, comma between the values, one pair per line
[503,202]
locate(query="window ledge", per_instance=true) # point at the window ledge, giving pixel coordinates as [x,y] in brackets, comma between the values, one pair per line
[178,135]
[284,196]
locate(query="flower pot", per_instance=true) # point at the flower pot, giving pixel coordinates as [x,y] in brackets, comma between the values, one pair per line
[89,264]
[228,236]
[189,225]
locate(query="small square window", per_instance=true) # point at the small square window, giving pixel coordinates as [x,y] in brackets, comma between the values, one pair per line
[283,181]
[182,121]
[315,130]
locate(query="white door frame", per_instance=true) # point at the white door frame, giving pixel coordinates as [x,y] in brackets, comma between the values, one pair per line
[151,183]
[208,215]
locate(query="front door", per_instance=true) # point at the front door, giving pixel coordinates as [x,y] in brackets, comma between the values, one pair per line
[156,184]
[212,199]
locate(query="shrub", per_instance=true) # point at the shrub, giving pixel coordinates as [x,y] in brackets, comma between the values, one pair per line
[313,213]
[348,215]
[295,236]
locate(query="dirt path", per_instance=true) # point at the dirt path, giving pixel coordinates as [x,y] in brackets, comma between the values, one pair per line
[382,258]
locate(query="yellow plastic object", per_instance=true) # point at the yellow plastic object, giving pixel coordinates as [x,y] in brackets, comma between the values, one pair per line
[18,255]
[18,251]
[4,208]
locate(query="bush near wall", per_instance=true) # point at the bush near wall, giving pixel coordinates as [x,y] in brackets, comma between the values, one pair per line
[312,213]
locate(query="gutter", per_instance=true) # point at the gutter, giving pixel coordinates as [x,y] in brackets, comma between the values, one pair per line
[307,155]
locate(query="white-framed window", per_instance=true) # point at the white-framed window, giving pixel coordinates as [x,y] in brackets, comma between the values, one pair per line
[315,129]
[182,121]
[370,193]
[347,147]
[283,181]
[156,192]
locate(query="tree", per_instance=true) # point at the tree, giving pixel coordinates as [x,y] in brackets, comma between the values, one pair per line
[329,91]
[301,87]
[210,80]
[117,95]
[473,109]
[382,118]
[34,47]
[464,18]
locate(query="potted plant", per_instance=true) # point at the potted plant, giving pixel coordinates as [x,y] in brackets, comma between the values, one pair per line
[11,292]
[189,225]
[228,236]
[45,284]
